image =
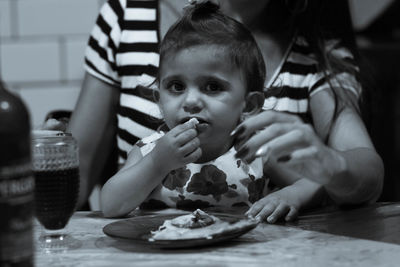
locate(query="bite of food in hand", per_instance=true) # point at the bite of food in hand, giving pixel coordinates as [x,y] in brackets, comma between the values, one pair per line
[194,121]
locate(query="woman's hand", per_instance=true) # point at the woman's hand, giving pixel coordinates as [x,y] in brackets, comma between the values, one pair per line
[178,147]
[282,203]
[283,139]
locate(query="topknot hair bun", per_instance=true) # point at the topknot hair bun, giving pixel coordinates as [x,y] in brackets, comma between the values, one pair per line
[201,7]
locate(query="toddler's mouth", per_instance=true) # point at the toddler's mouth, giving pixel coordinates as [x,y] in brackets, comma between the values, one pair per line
[201,124]
[199,120]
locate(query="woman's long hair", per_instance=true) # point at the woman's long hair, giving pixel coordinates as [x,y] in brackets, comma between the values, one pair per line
[320,21]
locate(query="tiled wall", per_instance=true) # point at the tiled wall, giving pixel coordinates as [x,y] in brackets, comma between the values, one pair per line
[42,44]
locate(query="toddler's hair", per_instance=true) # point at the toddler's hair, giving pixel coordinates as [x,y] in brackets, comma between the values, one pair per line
[203,24]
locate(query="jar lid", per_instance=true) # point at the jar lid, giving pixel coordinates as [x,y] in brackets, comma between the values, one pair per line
[48,133]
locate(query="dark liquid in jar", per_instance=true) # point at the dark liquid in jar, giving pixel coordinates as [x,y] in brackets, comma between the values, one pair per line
[56,195]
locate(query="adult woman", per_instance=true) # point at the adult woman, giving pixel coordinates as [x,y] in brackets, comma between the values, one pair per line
[122,58]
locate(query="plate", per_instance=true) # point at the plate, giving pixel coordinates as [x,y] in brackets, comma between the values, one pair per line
[138,229]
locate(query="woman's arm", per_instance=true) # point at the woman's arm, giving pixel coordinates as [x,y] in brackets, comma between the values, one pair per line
[348,166]
[357,169]
[93,125]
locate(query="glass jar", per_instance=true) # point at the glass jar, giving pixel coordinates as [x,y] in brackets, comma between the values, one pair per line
[56,169]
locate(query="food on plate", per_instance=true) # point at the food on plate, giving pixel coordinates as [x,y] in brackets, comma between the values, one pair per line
[197,219]
[198,224]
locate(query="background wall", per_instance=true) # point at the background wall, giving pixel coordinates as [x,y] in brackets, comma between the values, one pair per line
[42,45]
[41,50]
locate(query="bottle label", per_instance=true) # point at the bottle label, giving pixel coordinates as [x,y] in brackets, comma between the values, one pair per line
[16,205]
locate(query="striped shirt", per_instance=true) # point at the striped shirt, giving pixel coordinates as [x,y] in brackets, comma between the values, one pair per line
[123,51]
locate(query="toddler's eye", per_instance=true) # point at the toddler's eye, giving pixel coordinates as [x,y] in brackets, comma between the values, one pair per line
[175,87]
[213,88]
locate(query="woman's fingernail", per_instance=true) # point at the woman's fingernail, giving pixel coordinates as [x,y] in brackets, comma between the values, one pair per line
[238,141]
[250,160]
[271,219]
[284,158]
[242,152]
[262,151]
[237,131]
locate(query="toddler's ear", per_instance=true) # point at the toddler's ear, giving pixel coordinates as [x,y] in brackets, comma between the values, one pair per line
[254,103]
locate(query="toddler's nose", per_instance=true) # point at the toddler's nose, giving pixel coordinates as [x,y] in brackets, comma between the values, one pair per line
[193,102]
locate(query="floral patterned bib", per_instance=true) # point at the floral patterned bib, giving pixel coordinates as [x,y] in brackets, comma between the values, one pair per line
[225,181]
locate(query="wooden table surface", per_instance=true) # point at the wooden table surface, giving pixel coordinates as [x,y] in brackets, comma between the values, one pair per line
[365,236]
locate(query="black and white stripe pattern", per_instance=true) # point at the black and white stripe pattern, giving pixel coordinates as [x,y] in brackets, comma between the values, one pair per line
[123,51]
[299,79]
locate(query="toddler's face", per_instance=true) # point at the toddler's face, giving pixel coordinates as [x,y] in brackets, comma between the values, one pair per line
[199,82]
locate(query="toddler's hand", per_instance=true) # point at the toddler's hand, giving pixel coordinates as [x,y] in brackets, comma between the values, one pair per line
[178,147]
[276,205]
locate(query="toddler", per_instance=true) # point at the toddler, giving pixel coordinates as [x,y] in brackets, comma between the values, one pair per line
[211,77]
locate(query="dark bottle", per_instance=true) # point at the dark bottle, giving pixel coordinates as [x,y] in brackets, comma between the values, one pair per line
[16,182]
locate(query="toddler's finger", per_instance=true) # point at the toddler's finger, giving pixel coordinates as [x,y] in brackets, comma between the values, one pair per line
[186,136]
[190,146]
[254,209]
[292,214]
[190,124]
[280,210]
[266,211]
[193,156]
